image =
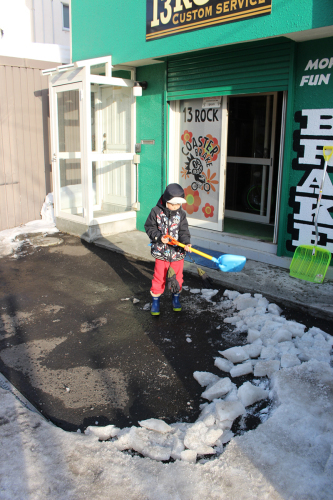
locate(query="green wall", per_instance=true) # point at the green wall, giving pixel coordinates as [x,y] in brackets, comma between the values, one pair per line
[105,27]
[306,97]
[150,125]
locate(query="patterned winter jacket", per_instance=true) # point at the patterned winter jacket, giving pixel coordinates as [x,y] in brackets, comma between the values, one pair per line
[162,221]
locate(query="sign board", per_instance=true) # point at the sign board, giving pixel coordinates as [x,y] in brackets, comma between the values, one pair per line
[170,17]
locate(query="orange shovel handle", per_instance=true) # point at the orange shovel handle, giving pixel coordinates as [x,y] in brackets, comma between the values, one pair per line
[173,241]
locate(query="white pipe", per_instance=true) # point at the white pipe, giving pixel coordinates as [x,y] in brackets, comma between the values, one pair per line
[53,37]
[43,21]
[33,21]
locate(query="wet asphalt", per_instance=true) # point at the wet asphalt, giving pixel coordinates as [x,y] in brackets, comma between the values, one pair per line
[78,341]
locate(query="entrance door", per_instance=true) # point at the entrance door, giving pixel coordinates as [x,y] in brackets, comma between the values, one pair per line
[198,152]
[224,156]
[67,160]
[112,150]
[250,193]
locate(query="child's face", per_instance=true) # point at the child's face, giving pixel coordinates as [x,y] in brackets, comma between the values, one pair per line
[172,206]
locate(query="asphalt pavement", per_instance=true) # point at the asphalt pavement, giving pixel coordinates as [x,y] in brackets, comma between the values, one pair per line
[256,277]
[78,342]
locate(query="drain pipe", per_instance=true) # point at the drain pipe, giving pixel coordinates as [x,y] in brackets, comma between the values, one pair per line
[136,161]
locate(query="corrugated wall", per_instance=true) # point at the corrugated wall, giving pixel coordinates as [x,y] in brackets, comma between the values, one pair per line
[25,168]
[239,69]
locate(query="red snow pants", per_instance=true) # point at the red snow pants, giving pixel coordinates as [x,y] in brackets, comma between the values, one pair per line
[160,275]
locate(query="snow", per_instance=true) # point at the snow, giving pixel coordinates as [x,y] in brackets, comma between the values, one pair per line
[289,454]
[12,240]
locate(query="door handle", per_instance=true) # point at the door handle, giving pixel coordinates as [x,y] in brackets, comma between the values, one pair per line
[54,158]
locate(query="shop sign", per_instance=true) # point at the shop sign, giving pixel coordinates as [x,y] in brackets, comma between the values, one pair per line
[200,136]
[316,131]
[170,17]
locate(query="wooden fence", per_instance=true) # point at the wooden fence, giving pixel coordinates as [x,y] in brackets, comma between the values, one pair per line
[25,167]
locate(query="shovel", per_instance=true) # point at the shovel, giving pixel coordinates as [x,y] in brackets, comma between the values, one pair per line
[309,262]
[226,263]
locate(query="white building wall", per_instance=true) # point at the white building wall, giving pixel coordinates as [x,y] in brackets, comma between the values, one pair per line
[33,29]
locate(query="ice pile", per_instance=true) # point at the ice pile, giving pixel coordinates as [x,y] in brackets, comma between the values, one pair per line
[273,344]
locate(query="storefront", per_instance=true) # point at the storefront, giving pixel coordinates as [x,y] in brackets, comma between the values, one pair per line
[237,106]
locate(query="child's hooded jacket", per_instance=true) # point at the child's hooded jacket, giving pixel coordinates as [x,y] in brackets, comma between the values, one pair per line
[162,221]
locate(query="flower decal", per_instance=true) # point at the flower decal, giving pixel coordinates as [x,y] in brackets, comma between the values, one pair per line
[208,210]
[210,179]
[184,173]
[193,200]
[187,136]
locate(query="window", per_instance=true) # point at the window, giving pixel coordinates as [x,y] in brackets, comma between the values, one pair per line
[65,16]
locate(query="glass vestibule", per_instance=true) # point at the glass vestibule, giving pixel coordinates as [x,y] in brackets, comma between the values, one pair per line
[93,137]
[225,157]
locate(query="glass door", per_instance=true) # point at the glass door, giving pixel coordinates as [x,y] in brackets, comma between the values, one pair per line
[113,138]
[198,153]
[70,196]
[250,193]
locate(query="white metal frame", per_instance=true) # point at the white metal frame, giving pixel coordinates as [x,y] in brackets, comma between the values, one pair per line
[78,75]
[57,156]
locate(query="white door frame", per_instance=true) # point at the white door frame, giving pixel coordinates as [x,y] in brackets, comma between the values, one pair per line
[57,156]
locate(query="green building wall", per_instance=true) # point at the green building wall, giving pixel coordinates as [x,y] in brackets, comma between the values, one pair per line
[107,27]
[150,124]
[305,97]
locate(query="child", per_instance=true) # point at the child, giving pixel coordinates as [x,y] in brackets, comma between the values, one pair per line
[168,218]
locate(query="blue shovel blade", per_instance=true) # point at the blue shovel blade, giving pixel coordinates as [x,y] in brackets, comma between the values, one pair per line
[230,263]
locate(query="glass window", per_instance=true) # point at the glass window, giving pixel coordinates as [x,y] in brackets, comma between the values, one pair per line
[250,126]
[69,152]
[111,187]
[65,16]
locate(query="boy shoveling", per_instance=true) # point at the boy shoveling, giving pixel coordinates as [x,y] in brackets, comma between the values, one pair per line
[168,217]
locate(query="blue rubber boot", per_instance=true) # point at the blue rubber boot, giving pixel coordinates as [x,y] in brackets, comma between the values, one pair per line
[175,302]
[155,307]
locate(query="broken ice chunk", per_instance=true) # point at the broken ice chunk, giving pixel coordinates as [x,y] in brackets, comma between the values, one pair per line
[274,309]
[103,433]
[154,424]
[235,354]
[242,369]
[229,410]
[266,368]
[196,436]
[223,364]
[205,378]
[189,456]
[296,329]
[243,301]
[226,436]
[253,350]
[252,335]
[231,294]
[269,353]
[250,394]
[282,335]
[289,360]
[220,388]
